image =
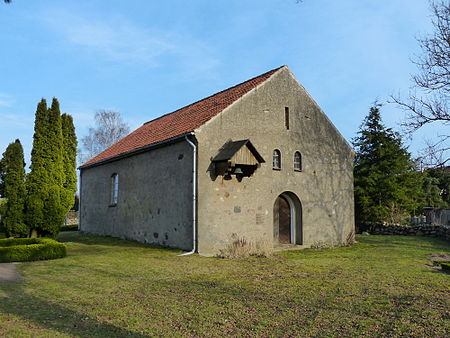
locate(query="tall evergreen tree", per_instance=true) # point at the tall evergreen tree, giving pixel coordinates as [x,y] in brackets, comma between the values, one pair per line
[442,179]
[37,178]
[432,194]
[54,208]
[387,186]
[14,190]
[2,183]
[45,212]
[70,161]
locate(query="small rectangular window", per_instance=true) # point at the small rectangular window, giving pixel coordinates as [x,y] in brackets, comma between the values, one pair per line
[297,161]
[286,117]
[114,189]
[276,159]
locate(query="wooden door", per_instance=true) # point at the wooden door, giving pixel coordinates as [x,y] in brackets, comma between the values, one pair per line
[284,219]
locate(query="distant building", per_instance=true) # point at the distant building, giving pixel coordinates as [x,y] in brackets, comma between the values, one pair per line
[259,160]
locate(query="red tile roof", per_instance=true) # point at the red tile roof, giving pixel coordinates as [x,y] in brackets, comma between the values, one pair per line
[181,121]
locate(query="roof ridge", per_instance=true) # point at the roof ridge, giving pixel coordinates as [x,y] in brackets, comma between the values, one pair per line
[181,121]
[217,93]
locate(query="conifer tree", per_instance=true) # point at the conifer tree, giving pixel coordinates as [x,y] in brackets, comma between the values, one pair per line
[2,184]
[37,189]
[54,208]
[70,161]
[45,211]
[13,176]
[387,185]
[432,194]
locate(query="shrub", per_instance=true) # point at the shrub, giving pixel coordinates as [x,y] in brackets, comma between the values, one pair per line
[30,249]
[2,212]
[72,227]
[2,205]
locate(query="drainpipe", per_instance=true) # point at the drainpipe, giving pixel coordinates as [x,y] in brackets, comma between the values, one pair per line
[194,197]
[79,201]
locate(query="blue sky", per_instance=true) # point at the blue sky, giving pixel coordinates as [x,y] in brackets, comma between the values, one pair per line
[147,58]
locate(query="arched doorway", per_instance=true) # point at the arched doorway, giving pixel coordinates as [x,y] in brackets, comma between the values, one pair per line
[287,219]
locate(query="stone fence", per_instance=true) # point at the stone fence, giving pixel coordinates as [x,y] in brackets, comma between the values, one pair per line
[441,231]
[71,218]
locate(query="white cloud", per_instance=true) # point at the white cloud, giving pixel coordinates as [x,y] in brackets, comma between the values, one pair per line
[5,100]
[123,42]
[17,120]
[118,39]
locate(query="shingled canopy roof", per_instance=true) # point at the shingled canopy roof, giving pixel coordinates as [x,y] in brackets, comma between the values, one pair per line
[231,148]
[179,122]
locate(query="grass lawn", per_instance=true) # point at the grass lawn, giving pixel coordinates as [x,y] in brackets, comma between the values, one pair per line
[110,287]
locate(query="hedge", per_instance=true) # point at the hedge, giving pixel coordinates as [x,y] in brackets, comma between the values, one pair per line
[30,249]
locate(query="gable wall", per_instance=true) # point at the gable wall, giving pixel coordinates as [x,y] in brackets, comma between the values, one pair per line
[325,186]
[154,202]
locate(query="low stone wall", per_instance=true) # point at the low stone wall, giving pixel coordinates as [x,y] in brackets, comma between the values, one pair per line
[440,231]
[71,218]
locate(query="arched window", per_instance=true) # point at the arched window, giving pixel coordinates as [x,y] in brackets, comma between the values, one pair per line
[297,161]
[114,188]
[276,159]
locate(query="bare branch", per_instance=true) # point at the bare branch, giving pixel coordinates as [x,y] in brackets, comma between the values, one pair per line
[427,102]
[109,128]
[434,155]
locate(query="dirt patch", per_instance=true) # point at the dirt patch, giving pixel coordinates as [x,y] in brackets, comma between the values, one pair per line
[439,257]
[436,259]
[9,273]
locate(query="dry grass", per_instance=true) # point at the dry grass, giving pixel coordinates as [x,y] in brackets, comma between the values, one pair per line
[319,245]
[240,248]
[350,240]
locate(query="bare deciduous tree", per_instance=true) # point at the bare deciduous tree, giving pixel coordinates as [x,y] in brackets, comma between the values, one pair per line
[109,128]
[428,98]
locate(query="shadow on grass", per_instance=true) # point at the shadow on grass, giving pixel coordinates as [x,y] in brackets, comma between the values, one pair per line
[366,243]
[404,241]
[89,239]
[44,314]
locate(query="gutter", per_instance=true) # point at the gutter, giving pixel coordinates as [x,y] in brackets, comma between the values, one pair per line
[134,151]
[194,196]
[79,201]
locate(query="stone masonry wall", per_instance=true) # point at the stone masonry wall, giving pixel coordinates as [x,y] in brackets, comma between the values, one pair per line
[246,208]
[71,218]
[440,231]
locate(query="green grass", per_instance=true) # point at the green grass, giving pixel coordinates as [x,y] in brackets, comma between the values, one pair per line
[381,286]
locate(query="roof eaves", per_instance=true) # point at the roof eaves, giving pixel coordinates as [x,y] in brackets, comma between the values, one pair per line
[135,151]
